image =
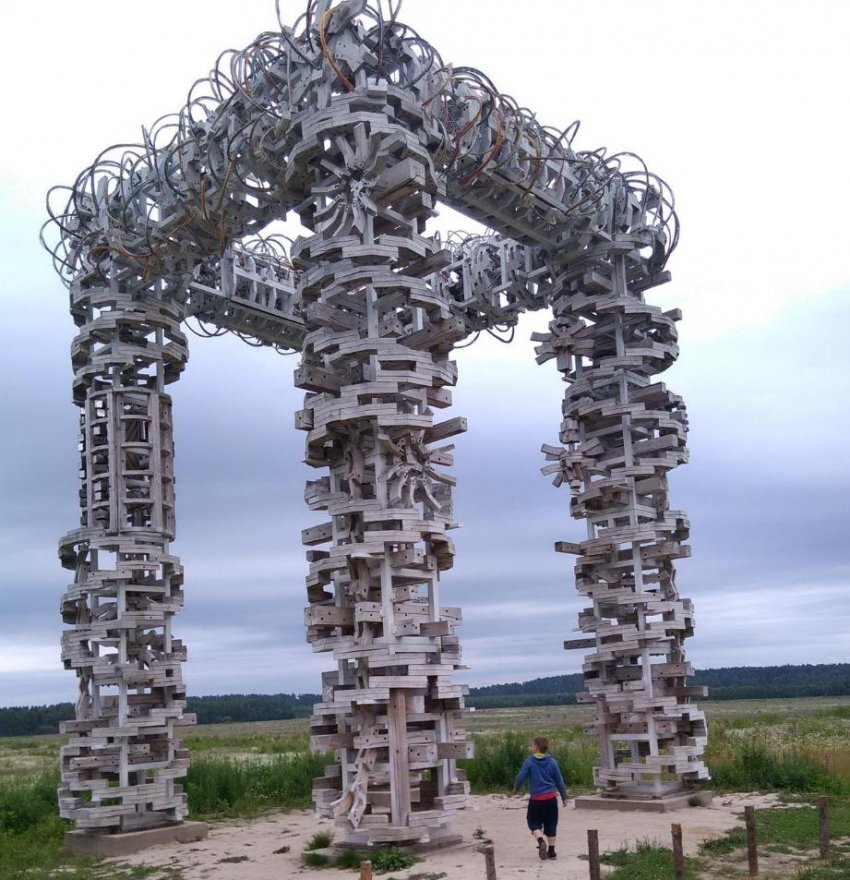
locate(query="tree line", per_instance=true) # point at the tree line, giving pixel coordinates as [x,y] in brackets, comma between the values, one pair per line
[35,720]
[730,683]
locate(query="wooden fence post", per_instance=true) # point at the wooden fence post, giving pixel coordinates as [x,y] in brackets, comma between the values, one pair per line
[752,851]
[489,859]
[365,871]
[678,852]
[823,816]
[593,853]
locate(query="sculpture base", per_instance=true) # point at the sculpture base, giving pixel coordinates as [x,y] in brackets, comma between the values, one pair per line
[666,804]
[85,843]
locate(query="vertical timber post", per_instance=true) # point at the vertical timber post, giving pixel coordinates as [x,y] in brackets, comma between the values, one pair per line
[489,853]
[120,767]
[678,852]
[623,432]
[752,841]
[375,364]
[593,854]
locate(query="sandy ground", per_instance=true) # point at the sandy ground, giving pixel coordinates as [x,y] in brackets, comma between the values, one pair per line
[270,848]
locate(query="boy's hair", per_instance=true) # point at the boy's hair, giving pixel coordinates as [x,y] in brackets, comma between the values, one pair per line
[541,743]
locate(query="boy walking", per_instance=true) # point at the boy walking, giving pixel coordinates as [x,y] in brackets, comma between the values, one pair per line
[545,783]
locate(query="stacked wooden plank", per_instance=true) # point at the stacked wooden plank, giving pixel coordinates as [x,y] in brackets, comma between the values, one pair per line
[622,433]
[375,365]
[122,758]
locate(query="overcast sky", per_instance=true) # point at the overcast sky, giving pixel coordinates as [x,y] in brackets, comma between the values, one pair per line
[741,107]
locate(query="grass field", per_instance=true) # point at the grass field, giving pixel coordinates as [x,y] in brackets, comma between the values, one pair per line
[799,747]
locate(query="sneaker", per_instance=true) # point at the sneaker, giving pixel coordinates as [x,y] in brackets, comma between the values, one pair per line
[552,855]
[542,849]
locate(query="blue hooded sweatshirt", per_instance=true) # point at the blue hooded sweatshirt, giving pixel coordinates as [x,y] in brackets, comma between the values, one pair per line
[543,774]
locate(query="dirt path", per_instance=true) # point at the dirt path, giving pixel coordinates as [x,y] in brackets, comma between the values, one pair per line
[256,850]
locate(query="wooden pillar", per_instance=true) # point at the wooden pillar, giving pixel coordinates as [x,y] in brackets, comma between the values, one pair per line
[375,366]
[399,763]
[120,766]
[610,344]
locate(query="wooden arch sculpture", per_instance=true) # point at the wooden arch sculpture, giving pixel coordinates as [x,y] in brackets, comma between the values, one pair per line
[354,123]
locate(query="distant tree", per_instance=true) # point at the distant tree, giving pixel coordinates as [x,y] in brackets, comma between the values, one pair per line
[732,683]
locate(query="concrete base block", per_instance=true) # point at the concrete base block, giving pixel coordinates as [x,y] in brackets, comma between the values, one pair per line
[678,801]
[86,843]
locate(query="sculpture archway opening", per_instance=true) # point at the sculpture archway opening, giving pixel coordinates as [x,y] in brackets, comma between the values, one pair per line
[355,124]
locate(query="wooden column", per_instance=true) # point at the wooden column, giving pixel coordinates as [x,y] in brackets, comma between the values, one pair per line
[375,366]
[399,763]
[623,432]
[121,764]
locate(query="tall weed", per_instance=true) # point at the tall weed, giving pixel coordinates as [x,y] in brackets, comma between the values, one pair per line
[219,786]
[797,757]
[498,757]
[31,832]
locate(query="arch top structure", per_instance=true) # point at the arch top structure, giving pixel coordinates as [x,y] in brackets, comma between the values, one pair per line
[353,122]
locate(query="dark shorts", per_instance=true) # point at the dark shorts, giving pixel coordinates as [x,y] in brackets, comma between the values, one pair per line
[543,814]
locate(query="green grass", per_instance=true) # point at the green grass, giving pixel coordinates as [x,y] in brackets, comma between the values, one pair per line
[384,860]
[244,770]
[32,838]
[793,829]
[349,859]
[645,862]
[320,840]
[498,757]
[255,743]
[768,751]
[316,859]
[392,858]
[719,846]
[838,868]
[217,786]
[796,826]
[755,766]
[26,802]
[31,832]
[834,712]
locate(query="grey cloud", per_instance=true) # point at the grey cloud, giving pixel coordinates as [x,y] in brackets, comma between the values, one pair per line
[766,491]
